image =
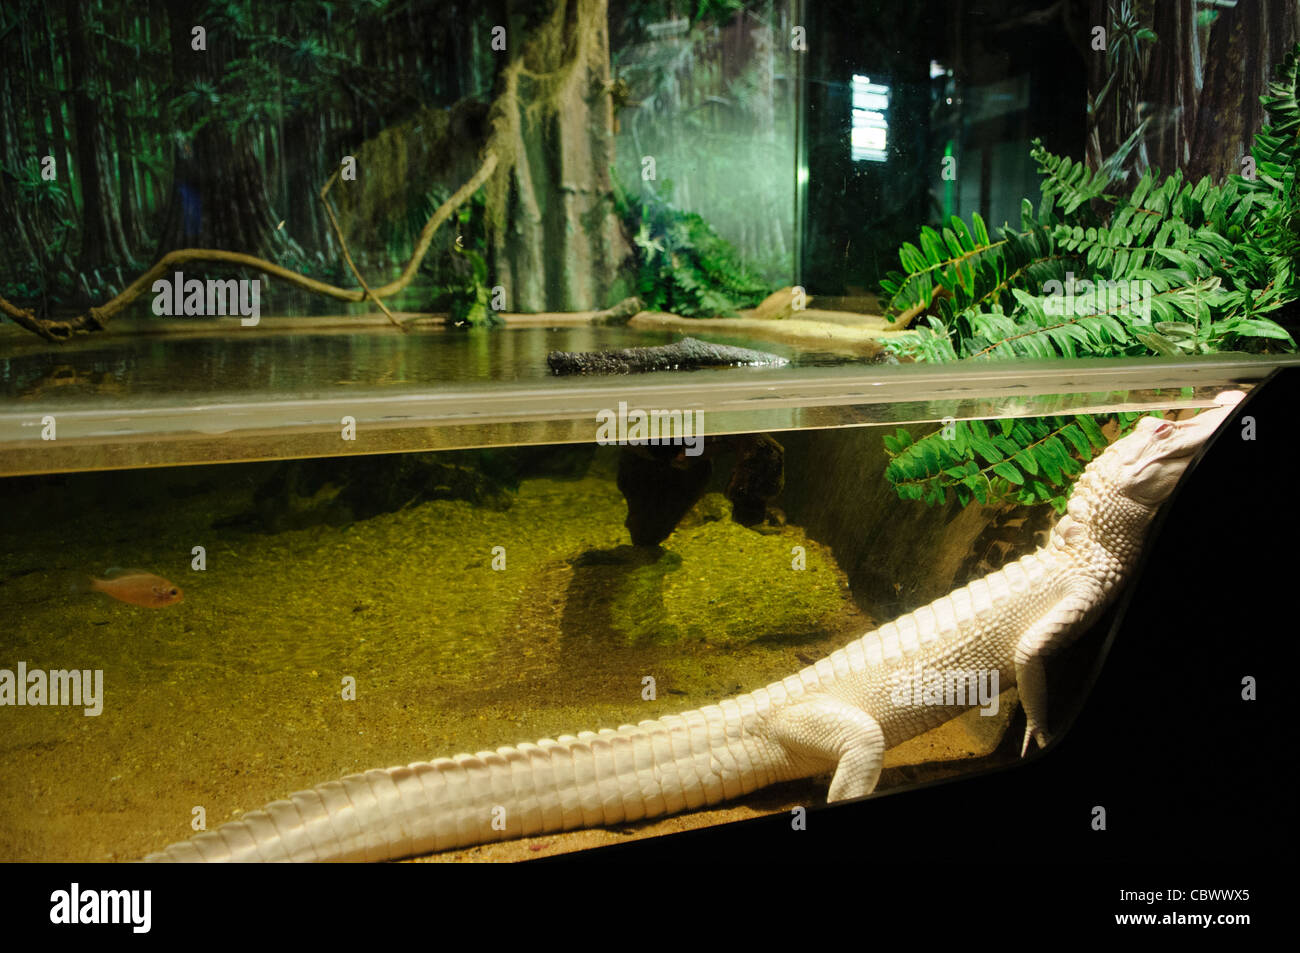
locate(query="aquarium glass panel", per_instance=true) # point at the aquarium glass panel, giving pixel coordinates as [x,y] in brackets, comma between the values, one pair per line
[227,635]
[621,403]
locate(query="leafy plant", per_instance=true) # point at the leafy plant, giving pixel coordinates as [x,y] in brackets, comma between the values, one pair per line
[469,301]
[1026,460]
[1173,268]
[469,282]
[682,265]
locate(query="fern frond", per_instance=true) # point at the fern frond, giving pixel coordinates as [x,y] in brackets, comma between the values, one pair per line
[1028,460]
[1212,259]
[1071,183]
[1173,267]
[957,258]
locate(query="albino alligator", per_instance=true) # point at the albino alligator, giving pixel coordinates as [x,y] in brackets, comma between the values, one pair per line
[838,715]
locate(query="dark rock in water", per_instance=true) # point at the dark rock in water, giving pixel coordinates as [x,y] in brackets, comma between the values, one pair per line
[685,354]
[660,485]
[758,477]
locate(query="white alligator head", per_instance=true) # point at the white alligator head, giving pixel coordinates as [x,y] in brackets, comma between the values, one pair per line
[1146,465]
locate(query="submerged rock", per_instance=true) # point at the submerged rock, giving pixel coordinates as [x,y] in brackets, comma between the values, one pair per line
[758,477]
[661,484]
[686,354]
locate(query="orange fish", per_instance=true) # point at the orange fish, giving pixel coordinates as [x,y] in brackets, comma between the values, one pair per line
[138,588]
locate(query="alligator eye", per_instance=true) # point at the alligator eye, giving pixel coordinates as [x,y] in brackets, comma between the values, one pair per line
[1164,430]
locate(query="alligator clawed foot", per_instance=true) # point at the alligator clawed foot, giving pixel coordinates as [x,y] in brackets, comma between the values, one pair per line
[1041,737]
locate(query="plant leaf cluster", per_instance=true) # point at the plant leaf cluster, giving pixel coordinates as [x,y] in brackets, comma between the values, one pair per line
[1025,460]
[459,278]
[682,265]
[1171,268]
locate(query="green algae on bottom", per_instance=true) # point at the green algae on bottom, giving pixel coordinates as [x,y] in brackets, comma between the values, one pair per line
[235,697]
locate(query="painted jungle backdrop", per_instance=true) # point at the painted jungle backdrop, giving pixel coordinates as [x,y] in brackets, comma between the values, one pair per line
[408,155]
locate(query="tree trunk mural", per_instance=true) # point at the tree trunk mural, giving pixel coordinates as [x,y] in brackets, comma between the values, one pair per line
[1173,84]
[555,240]
[100,243]
[1247,43]
[1200,91]
[543,146]
[218,197]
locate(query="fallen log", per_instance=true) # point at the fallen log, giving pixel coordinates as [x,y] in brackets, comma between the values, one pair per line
[618,315]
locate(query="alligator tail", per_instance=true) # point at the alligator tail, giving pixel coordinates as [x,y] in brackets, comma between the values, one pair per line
[596,779]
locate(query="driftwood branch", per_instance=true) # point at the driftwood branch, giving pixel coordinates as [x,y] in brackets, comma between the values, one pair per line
[904,319]
[347,256]
[95,318]
[620,314]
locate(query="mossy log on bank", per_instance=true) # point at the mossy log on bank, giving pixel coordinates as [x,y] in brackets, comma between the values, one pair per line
[619,314]
[688,353]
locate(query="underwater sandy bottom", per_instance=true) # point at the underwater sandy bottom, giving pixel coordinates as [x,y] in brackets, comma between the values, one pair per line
[233,697]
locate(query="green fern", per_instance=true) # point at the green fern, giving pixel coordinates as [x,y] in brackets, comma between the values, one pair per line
[1029,460]
[1074,182]
[1173,267]
[1198,266]
[682,265]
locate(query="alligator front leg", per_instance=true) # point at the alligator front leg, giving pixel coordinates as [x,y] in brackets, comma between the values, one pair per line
[825,729]
[1050,634]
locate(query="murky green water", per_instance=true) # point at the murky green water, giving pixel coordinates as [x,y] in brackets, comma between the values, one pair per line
[199,367]
[360,612]
[233,697]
